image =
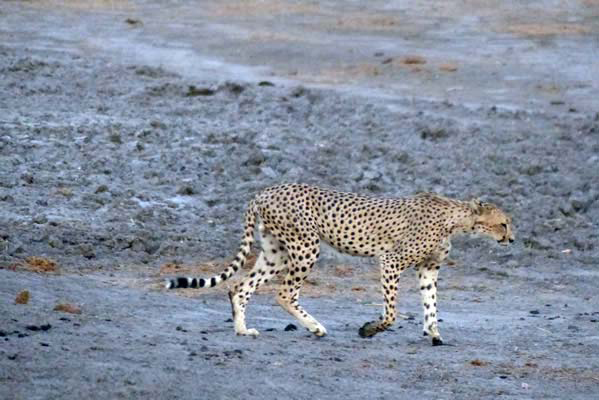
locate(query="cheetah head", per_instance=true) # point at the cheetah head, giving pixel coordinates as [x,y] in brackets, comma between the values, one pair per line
[490,220]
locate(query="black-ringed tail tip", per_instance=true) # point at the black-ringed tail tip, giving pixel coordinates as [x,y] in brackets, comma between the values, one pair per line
[194,283]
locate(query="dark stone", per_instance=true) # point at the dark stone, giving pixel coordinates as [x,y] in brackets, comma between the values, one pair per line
[290,327]
[193,91]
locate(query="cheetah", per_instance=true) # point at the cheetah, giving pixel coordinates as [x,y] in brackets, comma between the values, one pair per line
[401,232]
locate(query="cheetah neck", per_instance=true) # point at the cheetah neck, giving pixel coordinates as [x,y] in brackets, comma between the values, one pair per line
[461,219]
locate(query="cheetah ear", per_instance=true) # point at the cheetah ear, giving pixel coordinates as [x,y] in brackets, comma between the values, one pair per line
[477,206]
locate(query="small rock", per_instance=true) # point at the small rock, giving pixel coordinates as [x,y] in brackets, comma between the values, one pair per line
[115,138]
[186,190]
[86,250]
[133,21]
[290,327]
[101,189]
[27,178]
[193,91]
[40,219]
[36,328]
[265,83]
[534,312]
[256,158]
[233,87]
[55,243]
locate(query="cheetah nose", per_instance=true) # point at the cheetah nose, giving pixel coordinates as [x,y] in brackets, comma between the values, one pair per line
[511,240]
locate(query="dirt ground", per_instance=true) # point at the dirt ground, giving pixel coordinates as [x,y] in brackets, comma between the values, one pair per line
[133,134]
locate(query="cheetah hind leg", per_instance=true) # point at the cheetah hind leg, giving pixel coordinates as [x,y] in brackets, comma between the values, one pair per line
[239,297]
[269,263]
[288,297]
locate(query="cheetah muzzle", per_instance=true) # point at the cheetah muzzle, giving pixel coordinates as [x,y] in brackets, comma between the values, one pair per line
[401,232]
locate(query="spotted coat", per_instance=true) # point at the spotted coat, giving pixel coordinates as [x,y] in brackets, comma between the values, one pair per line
[400,232]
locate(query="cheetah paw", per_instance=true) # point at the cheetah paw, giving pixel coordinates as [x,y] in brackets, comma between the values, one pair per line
[320,332]
[369,329]
[248,332]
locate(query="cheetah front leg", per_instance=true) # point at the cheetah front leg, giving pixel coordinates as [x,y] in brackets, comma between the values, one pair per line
[428,272]
[391,268]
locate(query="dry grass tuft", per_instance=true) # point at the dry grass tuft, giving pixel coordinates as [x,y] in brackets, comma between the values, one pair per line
[35,264]
[413,60]
[547,29]
[67,308]
[22,297]
[448,67]
[343,271]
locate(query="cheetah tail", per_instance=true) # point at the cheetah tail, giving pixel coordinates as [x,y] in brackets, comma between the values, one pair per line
[234,266]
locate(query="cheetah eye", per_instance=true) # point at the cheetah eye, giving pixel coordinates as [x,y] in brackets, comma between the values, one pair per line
[504,226]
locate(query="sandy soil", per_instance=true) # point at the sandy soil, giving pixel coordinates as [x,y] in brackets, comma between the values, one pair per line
[132,134]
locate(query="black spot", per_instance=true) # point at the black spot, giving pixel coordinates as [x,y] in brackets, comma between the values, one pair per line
[194,283]
[202,282]
[223,276]
[182,282]
[212,281]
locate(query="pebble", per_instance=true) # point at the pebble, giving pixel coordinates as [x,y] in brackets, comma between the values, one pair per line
[39,219]
[43,327]
[186,190]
